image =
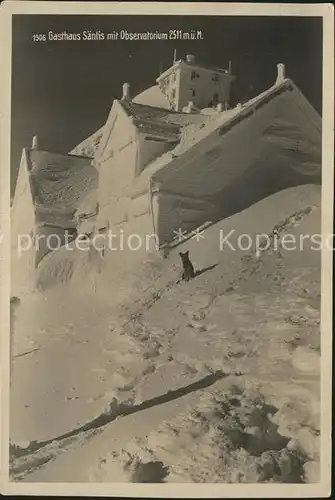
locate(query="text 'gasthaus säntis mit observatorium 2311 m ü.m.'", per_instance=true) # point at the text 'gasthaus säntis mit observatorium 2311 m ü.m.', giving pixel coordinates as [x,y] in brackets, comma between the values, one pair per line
[173,34]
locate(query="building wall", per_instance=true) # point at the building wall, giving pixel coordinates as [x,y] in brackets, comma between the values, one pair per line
[192,83]
[22,229]
[196,84]
[148,150]
[243,159]
[115,176]
[139,206]
[174,213]
[118,131]
[223,159]
[139,236]
[117,167]
[219,157]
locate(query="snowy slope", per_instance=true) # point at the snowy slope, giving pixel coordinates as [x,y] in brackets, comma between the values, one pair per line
[228,363]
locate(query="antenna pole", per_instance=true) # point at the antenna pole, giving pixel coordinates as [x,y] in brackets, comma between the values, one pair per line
[174,56]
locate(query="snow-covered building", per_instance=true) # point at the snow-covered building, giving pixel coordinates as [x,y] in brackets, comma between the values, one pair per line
[162,170]
[189,81]
[49,189]
[167,162]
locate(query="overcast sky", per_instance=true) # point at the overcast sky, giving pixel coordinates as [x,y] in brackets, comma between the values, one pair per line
[62,91]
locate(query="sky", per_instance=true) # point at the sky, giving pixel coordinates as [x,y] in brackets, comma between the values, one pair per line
[62,91]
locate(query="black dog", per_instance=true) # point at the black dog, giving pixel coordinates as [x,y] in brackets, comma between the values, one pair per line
[188,269]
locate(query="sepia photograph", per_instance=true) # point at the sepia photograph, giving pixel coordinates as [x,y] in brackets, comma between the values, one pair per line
[170,238]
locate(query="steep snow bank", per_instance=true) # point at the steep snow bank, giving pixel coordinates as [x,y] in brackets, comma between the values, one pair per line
[139,347]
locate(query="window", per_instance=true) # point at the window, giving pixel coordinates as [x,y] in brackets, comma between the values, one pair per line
[193,75]
[173,93]
[215,78]
[173,77]
[193,92]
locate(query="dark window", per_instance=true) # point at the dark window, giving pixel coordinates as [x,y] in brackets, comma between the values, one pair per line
[193,75]
[193,93]
[173,93]
[155,139]
[215,78]
[85,236]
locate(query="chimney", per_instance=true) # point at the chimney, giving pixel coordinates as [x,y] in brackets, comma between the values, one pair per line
[126,92]
[190,58]
[229,68]
[219,107]
[280,73]
[190,106]
[34,144]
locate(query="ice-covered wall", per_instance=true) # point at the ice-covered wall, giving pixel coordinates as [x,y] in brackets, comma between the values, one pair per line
[271,143]
[49,238]
[22,232]
[148,150]
[152,96]
[117,160]
[207,88]
[89,146]
[188,81]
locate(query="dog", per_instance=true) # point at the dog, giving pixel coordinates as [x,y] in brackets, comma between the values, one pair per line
[188,269]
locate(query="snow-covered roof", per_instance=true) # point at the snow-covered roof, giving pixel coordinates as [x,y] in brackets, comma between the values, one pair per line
[146,112]
[153,96]
[153,113]
[59,180]
[303,118]
[152,120]
[89,146]
[174,162]
[151,105]
[54,216]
